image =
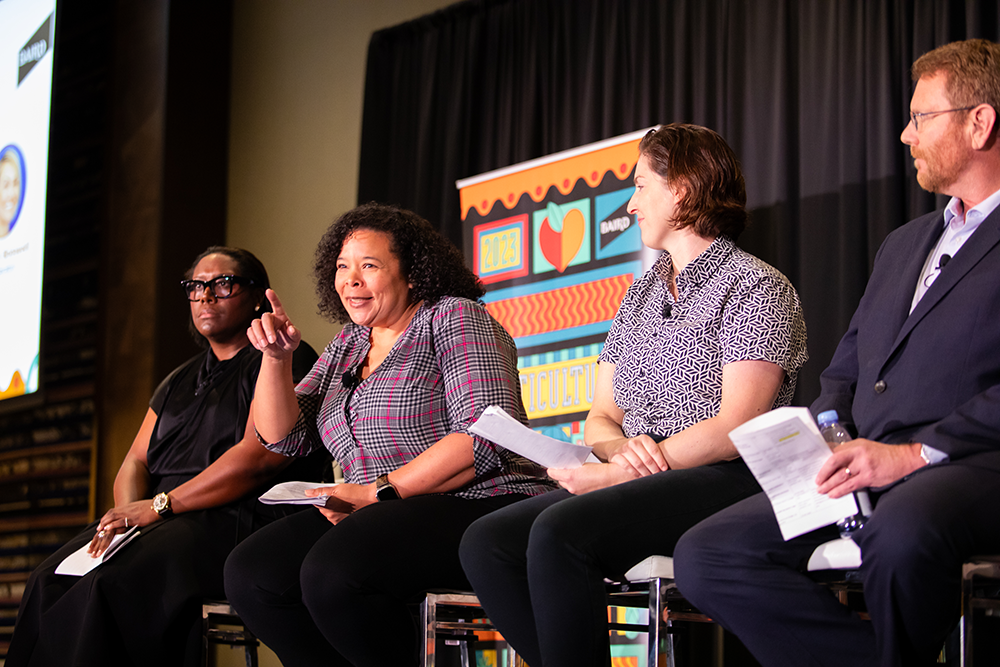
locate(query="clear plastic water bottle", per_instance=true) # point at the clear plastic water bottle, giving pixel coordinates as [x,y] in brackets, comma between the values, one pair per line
[833,432]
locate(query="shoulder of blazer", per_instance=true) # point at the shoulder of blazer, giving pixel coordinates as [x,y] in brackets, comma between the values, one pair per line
[907,246]
[916,229]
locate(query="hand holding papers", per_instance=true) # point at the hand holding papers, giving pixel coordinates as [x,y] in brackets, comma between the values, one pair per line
[497,426]
[784,450]
[80,562]
[293,493]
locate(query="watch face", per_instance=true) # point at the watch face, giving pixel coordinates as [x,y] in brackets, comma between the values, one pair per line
[161,502]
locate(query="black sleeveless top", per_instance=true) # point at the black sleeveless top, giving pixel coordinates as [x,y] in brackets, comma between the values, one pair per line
[202,409]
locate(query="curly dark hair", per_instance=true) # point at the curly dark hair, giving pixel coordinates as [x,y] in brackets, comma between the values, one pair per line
[700,161]
[428,261]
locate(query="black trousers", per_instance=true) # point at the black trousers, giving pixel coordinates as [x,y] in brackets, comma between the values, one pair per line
[736,568]
[538,566]
[142,607]
[320,594]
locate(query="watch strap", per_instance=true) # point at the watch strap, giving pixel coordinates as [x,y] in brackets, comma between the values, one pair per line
[384,490]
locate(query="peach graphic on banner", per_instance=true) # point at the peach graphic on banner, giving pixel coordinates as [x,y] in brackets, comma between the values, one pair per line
[561,235]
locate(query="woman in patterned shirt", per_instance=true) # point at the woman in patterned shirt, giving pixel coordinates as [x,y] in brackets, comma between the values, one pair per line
[392,398]
[706,339]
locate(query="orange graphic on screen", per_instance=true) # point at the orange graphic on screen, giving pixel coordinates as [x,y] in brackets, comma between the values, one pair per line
[573,306]
[561,236]
[15,388]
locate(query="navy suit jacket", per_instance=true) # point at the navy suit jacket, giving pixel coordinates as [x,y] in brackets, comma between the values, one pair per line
[932,376]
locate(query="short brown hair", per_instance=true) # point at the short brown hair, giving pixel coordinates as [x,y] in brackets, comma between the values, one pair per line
[973,69]
[702,163]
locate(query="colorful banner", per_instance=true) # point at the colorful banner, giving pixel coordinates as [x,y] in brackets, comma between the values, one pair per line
[557,249]
[562,313]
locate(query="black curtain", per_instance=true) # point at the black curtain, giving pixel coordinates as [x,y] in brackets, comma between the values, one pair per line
[811,94]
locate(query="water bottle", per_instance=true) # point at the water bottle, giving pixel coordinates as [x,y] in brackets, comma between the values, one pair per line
[832,431]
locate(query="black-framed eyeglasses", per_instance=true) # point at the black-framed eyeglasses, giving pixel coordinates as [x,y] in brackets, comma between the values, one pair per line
[222,287]
[915,116]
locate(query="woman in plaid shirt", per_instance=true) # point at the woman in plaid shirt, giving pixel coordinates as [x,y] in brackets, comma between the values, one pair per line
[392,397]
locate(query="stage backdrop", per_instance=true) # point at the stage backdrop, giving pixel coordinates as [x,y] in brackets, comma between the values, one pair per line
[811,94]
[556,248]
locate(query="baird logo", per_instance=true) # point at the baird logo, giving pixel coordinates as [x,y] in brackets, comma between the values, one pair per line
[34,49]
[32,53]
[616,225]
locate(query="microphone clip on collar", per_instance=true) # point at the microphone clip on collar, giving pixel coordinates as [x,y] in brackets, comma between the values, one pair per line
[351,378]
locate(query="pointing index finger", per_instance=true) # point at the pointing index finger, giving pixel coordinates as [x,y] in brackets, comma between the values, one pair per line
[276,306]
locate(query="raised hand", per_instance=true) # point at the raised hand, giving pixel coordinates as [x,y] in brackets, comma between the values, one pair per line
[274,334]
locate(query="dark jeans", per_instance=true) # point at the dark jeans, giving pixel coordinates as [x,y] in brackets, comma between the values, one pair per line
[320,594]
[538,566]
[736,568]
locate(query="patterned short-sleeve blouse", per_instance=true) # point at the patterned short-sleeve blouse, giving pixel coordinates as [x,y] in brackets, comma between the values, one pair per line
[452,362]
[731,307]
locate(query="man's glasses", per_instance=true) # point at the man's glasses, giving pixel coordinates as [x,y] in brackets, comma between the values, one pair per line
[222,287]
[915,117]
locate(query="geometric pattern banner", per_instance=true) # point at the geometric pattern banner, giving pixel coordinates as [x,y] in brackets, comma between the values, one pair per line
[554,244]
[576,305]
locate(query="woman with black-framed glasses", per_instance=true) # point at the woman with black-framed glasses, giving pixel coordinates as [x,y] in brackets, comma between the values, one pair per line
[220,287]
[189,482]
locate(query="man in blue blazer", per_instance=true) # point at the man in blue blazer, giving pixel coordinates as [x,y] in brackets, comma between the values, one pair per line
[917,377]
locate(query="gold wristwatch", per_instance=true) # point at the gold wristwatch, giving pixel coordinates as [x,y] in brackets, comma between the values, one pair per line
[161,504]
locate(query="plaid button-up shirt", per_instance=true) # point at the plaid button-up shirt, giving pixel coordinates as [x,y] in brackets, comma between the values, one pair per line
[453,361]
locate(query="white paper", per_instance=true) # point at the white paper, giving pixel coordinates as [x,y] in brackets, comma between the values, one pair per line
[497,426]
[80,562]
[784,450]
[293,493]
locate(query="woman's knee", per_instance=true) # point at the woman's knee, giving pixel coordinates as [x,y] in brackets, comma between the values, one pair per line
[239,575]
[477,548]
[252,576]
[493,541]
[558,530]
[500,539]
[335,572]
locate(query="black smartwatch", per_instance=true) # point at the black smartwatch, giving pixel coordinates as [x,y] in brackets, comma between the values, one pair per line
[384,490]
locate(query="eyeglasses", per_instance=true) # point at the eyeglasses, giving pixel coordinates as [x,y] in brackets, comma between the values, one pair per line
[915,117]
[222,287]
